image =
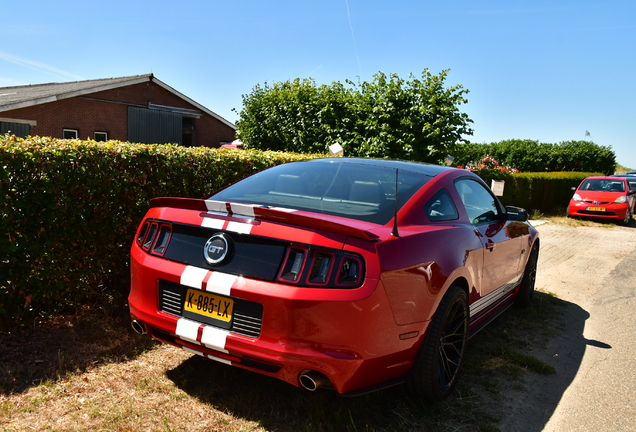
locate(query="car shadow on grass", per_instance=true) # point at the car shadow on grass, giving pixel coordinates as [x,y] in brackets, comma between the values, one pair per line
[512,380]
[50,349]
[545,356]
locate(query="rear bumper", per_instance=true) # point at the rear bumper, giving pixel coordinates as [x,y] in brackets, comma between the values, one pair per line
[353,341]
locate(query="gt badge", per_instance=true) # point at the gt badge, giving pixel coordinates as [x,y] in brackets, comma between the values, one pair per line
[216,249]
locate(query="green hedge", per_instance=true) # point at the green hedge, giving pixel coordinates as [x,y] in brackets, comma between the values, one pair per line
[537,192]
[533,156]
[70,208]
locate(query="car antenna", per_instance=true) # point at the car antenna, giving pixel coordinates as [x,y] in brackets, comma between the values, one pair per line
[395,232]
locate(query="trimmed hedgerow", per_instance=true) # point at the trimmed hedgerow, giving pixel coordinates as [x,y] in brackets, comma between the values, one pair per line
[69,210]
[533,156]
[541,192]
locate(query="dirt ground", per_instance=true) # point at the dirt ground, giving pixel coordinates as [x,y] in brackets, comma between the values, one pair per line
[592,270]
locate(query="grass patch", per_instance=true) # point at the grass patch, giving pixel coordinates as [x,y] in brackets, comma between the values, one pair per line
[529,362]
[576,222]
[93,373]
[561,218]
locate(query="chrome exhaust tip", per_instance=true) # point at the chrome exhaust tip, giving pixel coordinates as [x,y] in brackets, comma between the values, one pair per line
[138,327]
[312,380]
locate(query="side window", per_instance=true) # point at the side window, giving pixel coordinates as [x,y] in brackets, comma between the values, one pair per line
[480,204]
[441,207]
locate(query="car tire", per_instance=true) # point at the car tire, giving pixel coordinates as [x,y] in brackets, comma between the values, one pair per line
[628,217]
[526,289]
[439,360]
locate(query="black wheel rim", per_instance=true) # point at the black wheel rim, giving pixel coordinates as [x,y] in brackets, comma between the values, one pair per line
[532,271]
[452,344]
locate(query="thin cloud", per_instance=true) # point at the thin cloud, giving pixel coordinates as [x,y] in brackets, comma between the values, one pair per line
[37,66]
[311,73]
[353,37]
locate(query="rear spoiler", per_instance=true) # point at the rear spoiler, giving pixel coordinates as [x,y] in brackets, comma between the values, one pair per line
[275,214]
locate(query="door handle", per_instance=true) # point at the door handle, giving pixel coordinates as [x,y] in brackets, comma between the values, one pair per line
[490,245]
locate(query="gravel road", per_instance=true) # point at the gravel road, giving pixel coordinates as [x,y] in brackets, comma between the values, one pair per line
[593,269]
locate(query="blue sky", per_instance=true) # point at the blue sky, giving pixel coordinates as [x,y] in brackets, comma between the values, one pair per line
[541,70]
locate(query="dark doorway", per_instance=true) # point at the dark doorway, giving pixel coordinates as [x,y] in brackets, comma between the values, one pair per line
[188,139]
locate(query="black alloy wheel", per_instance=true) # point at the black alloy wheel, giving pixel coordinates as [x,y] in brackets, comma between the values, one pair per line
[439,361]
[526,290]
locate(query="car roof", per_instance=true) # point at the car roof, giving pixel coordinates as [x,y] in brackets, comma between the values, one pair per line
[420,167]
[612,177]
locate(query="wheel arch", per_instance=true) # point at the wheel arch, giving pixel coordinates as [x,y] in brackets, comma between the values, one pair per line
[461,282]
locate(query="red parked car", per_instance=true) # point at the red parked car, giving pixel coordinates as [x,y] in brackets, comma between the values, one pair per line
[603,197]
[350,274]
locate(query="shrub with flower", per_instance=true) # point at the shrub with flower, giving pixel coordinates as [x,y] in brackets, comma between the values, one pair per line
[490,164]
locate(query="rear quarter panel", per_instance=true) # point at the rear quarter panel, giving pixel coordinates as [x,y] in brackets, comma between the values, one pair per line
[418,267]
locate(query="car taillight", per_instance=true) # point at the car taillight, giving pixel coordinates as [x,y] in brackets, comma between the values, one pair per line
[321,268]
[165,232]
[142,233]
[294,262]
[350,271]
[154,237]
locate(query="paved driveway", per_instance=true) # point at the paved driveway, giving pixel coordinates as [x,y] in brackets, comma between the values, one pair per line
[593,270]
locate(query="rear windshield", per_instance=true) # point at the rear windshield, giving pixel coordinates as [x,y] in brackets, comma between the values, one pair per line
[357,191]
[603,185]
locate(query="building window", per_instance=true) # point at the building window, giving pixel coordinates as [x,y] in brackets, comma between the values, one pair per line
[101,136]
[71,133]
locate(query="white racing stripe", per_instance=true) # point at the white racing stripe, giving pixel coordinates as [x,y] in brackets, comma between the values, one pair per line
[188,330]
[214,338]
[220,283]
[193,276]
[220,360]
[217,206]
[193,351]
[211,337]
[283,209]
[212,223]
[239,227]
[243,209]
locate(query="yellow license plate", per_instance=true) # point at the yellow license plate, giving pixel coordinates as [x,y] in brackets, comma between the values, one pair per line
[596,209]
[209,304]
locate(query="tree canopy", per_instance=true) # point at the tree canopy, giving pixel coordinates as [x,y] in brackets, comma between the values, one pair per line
[389,117]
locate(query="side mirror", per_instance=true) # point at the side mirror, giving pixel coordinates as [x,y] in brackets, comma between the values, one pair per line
[516,214]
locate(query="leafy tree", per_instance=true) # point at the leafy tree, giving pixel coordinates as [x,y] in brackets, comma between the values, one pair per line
[415,119]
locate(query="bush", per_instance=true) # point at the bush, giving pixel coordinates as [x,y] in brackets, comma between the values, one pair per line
[388,117]
[532,156]
[70,208]
[544,192]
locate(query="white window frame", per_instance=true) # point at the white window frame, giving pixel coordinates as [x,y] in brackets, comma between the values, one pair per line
[102,133]
[71,130]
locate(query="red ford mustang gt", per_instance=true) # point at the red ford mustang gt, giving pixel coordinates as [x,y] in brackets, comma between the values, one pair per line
[351,274]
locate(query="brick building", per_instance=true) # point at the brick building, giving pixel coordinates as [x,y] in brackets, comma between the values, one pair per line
[138,109]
